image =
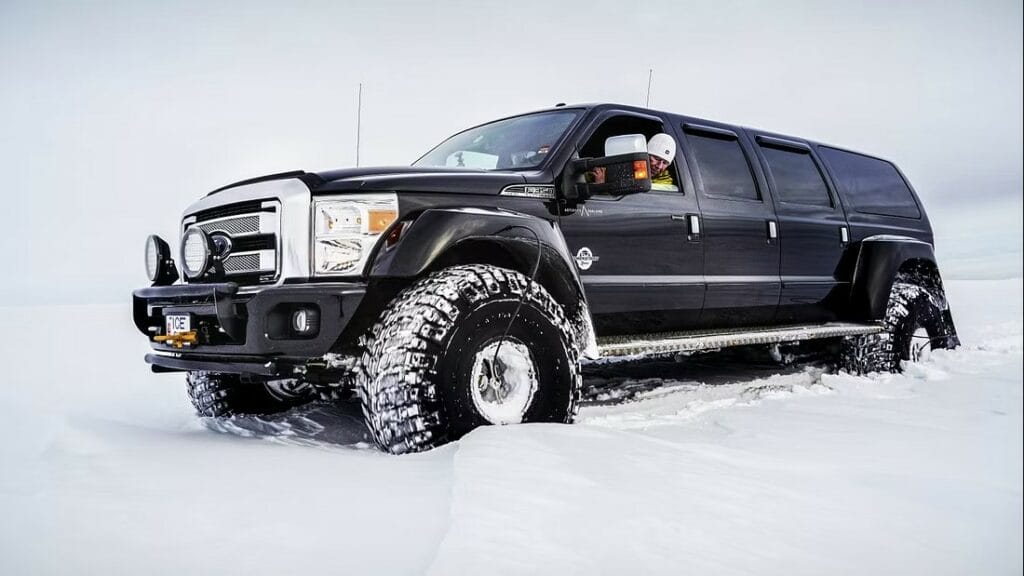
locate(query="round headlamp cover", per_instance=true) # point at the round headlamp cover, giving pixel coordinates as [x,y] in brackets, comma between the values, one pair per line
[153,258]
[195,252]
[160,268]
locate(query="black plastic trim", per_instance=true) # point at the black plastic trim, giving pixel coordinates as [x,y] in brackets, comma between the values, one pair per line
[164,363]
[245,318]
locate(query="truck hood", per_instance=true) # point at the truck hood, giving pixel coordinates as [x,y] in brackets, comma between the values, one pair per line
[416,179]
[392,179]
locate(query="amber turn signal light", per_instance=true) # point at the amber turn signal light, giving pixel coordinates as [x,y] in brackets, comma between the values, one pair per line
[379,220]
[639,170]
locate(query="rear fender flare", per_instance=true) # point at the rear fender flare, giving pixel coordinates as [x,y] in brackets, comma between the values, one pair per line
[879,259]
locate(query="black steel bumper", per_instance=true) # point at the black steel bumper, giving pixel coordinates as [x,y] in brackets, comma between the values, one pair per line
[244,332]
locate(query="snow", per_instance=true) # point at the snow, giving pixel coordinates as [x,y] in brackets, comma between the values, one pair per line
[703,466]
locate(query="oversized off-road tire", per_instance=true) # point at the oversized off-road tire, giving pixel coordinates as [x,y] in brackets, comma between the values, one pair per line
[428,373]
[917,320]
[215,395]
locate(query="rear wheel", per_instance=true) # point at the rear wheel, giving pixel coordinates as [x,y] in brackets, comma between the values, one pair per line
[439,363]
[916,322]
[215,394]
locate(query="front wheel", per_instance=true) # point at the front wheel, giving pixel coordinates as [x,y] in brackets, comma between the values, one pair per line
[444,359]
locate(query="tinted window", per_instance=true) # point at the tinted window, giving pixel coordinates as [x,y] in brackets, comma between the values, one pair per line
[871,185]
[723,167]
[796,176]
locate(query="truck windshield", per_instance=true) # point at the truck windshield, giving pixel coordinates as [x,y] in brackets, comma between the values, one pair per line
[520,142]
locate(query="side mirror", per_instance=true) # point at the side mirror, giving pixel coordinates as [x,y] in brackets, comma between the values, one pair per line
[623,174]
[627,144]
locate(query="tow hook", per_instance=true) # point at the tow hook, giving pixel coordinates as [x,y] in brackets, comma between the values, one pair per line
[179,340]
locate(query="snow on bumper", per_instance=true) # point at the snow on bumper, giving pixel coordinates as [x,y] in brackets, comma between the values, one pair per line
[244,332]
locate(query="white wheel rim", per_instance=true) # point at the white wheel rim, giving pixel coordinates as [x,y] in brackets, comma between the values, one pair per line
[503,387]
[920,346]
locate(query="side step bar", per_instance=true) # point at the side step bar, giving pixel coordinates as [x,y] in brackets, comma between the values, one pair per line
[685,342]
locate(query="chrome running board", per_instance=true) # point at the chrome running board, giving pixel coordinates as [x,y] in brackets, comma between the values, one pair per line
[686,342]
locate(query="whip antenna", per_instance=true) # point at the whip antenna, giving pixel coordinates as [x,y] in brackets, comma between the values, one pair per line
[650,75]
[359,121]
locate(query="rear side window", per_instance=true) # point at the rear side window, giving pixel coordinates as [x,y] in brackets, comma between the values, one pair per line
[871,186]
[797,178]
[723,167]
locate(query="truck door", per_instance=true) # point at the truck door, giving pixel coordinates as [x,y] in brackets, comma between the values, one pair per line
[641,268]
[740,234]
[813,232]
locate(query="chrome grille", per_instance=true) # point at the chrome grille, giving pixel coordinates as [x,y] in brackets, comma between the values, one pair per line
[255,240]
[247,263]
[233,225]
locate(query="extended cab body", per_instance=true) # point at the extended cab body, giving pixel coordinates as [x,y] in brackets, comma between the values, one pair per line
[312,281]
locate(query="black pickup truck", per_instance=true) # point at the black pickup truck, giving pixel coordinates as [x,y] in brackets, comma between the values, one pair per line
[468,288]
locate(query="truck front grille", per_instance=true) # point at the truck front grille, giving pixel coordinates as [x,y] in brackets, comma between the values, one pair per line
[234,225]
[253,230]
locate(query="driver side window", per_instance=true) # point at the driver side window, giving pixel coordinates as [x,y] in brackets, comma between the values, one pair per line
[667,180]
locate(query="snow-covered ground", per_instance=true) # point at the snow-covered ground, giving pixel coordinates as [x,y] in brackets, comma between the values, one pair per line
[700,467]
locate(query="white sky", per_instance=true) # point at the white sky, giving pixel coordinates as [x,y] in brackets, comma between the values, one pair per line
[116,115]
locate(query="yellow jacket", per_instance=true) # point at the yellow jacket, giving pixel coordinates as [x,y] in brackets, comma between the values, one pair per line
[664,181]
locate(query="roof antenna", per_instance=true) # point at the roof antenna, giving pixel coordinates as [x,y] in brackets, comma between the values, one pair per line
[650,75]
[359,121]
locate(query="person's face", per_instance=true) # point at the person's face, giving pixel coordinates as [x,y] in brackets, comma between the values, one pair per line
[658,165]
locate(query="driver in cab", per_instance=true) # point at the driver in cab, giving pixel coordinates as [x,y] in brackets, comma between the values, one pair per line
[661,150]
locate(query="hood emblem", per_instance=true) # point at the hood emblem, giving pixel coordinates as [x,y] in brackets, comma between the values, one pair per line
[221,244]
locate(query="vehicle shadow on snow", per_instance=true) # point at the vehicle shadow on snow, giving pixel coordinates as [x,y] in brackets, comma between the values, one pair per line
[340,425]
[632,379]
[318,424]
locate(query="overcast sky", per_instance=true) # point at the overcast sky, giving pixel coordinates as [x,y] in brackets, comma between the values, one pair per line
[116,115]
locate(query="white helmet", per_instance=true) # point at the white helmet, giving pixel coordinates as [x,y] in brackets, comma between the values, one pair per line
[663,146]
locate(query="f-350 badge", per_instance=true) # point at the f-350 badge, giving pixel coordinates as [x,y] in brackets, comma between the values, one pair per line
[585,258]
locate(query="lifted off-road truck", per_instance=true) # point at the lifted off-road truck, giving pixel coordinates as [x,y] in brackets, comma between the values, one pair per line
[467,289]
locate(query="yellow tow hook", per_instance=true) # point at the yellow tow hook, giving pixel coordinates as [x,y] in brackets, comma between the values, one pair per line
[177,340]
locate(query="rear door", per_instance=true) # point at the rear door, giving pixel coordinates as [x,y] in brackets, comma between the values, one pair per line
[739,231]
[813,233]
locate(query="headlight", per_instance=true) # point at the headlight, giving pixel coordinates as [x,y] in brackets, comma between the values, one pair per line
[346,229]
[195,252]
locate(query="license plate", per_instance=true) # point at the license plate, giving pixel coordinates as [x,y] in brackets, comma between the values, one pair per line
[178,323]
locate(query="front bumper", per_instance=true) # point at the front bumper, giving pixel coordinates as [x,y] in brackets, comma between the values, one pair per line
[244,332]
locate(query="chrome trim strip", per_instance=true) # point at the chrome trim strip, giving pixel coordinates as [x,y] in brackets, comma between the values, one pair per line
[811,280]
[696,279]
[610,280]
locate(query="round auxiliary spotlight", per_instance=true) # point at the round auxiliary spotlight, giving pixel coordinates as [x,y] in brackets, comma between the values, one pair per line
[160,268]
[153,257]
[195,252]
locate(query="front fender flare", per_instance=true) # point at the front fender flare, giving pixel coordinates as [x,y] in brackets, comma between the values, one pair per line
[434,236]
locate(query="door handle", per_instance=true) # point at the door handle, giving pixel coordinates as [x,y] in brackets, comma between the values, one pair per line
[692,225]
[844,235]
[773,230]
